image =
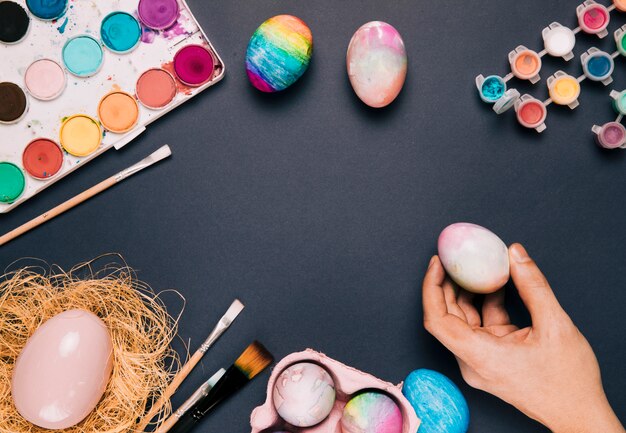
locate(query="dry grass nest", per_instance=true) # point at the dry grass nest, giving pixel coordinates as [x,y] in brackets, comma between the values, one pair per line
[141,331]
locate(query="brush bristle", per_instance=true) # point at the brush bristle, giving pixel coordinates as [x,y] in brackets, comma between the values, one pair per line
[254,360]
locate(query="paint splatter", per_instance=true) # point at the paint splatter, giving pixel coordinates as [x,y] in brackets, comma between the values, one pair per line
[175,30]
[182,88]
[147,35]
[61,28]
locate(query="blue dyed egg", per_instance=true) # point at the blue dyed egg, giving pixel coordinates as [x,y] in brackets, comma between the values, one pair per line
[278,53]
[437,401]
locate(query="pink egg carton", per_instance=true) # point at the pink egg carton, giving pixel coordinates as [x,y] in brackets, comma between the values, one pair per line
[348,382]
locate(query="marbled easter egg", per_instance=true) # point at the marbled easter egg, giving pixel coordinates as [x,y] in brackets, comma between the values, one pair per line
[474,257]
[437,401]
[377,63]
[279,53]
[304,394]
[371,412]
[63,370]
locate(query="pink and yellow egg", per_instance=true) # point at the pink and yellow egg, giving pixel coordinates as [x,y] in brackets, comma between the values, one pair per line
[371,412]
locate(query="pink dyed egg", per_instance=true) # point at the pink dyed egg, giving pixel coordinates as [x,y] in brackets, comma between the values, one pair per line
[371,412]
[304,394]
[474,257]
[63,370]
[377,63]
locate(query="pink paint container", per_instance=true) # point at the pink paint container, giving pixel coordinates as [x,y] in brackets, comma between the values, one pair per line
[611,135]
[348,382]
[593,18]
[531,113]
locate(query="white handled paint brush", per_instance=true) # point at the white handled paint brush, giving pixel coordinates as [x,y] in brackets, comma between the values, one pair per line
[162,153]
[227,319]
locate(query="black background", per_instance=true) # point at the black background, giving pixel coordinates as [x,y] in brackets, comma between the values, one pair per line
[322,214]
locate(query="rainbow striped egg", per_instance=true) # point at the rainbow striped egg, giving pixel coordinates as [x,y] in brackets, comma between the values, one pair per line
[278,53]
[371,412]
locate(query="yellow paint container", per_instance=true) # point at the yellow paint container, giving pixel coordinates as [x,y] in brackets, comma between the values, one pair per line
[80,135]
[118,112]
[564,89]
[620,5]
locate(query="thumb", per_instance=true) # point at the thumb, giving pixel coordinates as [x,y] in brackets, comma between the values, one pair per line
[533,288]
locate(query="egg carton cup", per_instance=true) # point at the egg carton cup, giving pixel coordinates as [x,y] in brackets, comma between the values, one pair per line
[348,382]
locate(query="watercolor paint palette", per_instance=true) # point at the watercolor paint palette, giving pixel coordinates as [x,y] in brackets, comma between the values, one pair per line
[348,382]
[80,77]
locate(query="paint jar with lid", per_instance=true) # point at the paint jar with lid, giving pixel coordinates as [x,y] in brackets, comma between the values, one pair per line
[559,41]
[611,135]
[598,65]
[619,101]
[507,102]
[525,64]
[593,18]
[531,113]
[564,89]
[490,88]
[620,40]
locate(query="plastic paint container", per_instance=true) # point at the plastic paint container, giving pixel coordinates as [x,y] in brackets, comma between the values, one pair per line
[525,64]
[45,79]
[118,112]
[598,65]
[158,14]
[593,18]
[47,9]
[619,102]
[156,88]
[611,135]
[194,65]
[13,103]
[491,88]
[120,32]
[14,22]
[83,55]
[564,89]
[559,41]
[620,40]
[620,5]
[12,182]
[80,135]
[507,101]
[531,113]
[42,158]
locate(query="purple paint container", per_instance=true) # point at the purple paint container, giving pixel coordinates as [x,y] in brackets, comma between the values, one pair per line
[611,135]
[158,14]
[194,65]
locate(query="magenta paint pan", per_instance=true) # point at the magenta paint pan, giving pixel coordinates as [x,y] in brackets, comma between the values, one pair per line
[158,14]
[194,65]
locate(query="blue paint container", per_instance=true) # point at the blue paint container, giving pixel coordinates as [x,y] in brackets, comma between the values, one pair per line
[120,32]
[47,9]
[83,55]
[491,88]
[598,65]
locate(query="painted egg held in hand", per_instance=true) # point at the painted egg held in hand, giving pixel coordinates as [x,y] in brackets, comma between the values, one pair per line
[63,370]
[474,257]
[371,412]
[437,401]
[304,394]
[377,63]
[278,53]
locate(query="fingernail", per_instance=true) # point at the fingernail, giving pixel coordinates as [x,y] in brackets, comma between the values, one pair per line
[519,254]
[432,260]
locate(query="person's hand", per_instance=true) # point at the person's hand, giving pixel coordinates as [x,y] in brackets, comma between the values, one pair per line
[547,370]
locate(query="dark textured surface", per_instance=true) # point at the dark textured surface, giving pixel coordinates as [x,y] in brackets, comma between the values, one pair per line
[322,214]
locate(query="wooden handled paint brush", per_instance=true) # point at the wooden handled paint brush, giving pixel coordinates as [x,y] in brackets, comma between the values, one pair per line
[227,319]
[250,363]
[162,153]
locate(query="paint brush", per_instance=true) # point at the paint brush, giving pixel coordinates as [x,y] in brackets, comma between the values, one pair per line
[227,319]
[250,363]
[200,393]
[162,153]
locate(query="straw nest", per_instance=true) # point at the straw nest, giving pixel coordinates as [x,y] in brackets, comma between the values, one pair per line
[140,328]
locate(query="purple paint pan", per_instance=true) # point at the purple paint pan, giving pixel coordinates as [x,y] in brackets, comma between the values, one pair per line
[194,65]
[158,14]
